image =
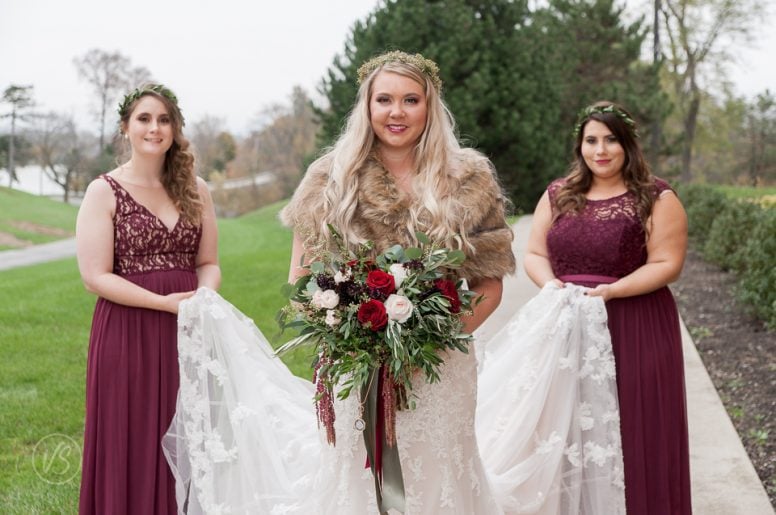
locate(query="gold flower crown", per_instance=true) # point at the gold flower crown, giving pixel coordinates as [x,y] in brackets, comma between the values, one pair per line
[585,113]
[426,66]
[136,93]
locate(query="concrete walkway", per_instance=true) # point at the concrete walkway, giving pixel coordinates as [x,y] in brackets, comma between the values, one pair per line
[724,481]
[37,254]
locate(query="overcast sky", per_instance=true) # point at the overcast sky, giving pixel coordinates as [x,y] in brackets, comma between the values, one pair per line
[227,58]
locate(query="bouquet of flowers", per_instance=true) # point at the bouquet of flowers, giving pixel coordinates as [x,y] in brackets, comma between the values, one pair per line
[374,322]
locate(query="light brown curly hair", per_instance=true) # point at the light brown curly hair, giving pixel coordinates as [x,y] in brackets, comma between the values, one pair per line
[178,176]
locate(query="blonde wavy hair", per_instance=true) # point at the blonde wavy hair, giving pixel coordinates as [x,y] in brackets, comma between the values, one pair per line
[178,176]
[433,156]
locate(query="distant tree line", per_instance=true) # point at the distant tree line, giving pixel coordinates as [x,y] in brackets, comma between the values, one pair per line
[281,140]
[515,75]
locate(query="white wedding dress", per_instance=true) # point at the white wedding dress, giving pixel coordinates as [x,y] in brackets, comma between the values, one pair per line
[534,431]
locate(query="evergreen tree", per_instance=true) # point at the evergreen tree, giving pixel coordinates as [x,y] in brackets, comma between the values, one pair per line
[597,57]
[514,79]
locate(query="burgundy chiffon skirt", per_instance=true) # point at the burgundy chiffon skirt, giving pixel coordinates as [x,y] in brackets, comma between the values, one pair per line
[131,389]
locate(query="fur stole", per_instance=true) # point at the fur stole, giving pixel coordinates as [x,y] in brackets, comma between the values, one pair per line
[383,212]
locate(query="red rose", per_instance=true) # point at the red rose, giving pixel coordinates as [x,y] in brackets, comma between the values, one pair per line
[381,281]
[372,314]
[448,290]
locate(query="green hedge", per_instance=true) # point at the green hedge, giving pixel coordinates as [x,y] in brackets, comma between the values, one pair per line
[730,231]
[703,204]
[758,277]
[738,235]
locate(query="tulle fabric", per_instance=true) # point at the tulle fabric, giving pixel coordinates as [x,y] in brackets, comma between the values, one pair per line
[245,437]
[547,413]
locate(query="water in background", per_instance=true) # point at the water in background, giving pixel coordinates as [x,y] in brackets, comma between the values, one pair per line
[32,179]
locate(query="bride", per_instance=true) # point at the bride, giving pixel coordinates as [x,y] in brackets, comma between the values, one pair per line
[546,440]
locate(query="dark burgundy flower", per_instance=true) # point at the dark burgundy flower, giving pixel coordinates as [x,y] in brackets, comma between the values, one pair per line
[350,292]
[367,264]
[376,294]
[448,289]
[381,281]
[325,282]
[414,264]
[372,314]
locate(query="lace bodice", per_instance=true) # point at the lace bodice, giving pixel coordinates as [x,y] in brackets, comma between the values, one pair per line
[141,241]
[606,238]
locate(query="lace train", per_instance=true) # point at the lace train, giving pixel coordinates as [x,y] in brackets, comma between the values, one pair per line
[546,438]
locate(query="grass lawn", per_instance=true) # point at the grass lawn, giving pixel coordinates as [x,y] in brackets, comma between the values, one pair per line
[747,191]
[34,219]
[45,315]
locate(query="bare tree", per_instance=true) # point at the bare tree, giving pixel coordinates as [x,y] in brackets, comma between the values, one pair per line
[285,141]
[213,145]
[696,31]
[137,76]
[60,150]
[109,73]
[20,98]
[269,162]
[761,128]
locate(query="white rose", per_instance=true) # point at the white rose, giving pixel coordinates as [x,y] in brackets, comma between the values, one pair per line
[332,320]
[398,272]
[398,307]
[325,299]
[339,277]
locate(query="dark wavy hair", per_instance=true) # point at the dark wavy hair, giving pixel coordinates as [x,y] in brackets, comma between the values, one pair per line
[635,171]
[178,176]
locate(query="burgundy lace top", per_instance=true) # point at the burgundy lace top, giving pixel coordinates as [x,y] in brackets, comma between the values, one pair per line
[141,241]
[605,239]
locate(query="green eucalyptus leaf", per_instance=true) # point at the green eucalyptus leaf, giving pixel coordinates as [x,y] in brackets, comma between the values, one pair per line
[413,253]
[287,290]
[394,253]
[422,238]
[311,286]
[456,257]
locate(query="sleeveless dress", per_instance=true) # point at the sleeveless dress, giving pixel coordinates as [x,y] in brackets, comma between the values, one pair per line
[132,367]
[599,245]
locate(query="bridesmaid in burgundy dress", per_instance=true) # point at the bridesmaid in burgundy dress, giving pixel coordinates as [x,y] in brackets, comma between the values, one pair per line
[610,225]
[146,239]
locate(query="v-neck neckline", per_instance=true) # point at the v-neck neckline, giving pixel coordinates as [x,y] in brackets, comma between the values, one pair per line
[147,210]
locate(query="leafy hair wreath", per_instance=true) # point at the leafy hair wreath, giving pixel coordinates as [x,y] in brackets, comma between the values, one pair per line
[136,93]
[588,111]
[428,67]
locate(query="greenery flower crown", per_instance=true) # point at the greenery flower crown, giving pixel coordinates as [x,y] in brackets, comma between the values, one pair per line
[588,111]
[426,66]
[136,93]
